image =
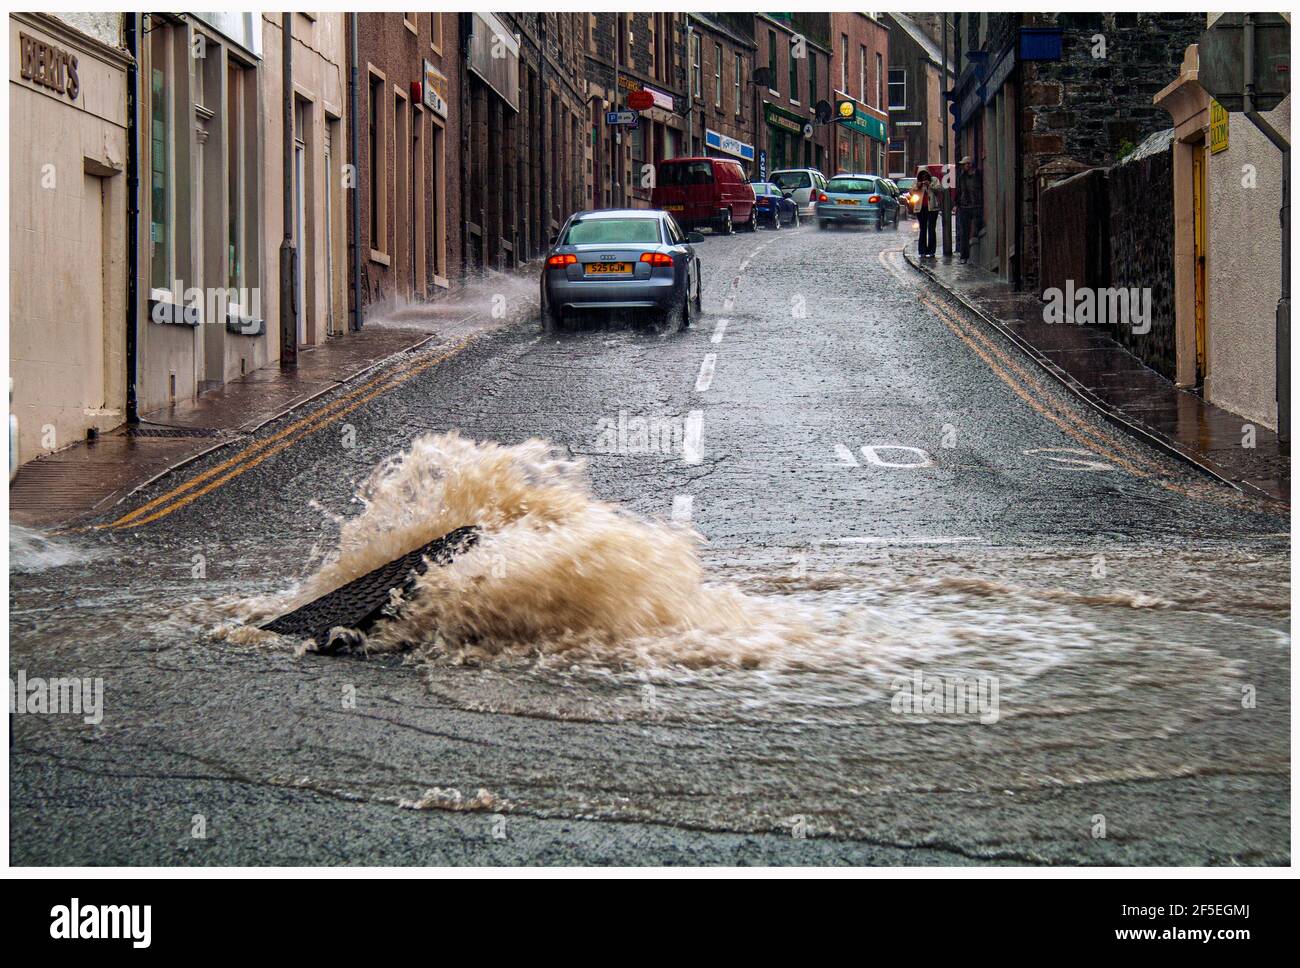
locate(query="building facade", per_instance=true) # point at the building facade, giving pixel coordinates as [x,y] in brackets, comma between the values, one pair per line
[629,52]
[917,82]
[795,53]
[859,74]
[1227,190]
[407,183]
[722,111]
[211,129]
[67,227]
[523,109]
[1040,93]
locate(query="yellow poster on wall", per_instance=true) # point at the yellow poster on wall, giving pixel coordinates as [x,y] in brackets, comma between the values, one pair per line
[1218,128]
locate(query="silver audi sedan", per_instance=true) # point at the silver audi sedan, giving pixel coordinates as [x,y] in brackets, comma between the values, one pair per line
[616,259]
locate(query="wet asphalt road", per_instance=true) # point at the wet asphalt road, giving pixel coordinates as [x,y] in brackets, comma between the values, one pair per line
[850,437]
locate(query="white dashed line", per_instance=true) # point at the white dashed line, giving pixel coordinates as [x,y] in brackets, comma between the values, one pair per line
[693,444]
[910,541]
[703,381]
[718,330]
[683,506]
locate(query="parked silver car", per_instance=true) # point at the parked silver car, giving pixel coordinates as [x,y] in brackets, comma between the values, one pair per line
[622,259]
[803,184]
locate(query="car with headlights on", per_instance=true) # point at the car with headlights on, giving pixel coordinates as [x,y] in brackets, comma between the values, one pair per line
[909,197]
[859,199]
[622,259]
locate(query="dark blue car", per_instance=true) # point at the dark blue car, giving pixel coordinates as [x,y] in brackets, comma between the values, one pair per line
[774,207]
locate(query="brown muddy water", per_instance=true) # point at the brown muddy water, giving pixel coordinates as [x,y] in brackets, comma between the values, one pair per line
[617,667]
[784,683]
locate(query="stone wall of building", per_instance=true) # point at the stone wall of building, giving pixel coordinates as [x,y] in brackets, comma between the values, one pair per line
[1140,234]
[1096,101]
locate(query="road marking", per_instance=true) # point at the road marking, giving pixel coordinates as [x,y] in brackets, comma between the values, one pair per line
[959,330]
[693,442]
[255,454]
[846,458]
[870,452]
[719,329]
[705,379]
[1084,460]
[952,539]
[683,507]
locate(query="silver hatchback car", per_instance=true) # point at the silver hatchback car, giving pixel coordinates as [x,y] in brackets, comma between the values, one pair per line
[622,259]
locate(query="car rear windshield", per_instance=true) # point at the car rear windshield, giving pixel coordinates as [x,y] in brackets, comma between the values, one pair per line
[609,231]
[906,183]
[863,186]
[763,188]
[686,173]
[790,180]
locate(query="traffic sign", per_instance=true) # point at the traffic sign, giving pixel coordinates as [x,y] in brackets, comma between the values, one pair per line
[620,117]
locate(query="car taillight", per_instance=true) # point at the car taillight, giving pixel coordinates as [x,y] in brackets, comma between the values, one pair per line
[822,197]
[560,261]
[873,199]
[657,258]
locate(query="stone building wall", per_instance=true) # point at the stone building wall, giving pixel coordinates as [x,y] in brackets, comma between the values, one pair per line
[1140,234]
[1096,101]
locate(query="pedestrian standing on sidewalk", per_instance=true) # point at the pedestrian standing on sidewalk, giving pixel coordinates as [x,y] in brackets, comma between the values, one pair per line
[970,204]
[927,214]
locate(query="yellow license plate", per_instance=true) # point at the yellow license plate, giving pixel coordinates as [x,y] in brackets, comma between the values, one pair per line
[674,208]
[847,201]
[609,268]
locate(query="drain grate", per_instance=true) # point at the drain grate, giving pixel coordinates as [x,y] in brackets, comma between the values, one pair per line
[360,603]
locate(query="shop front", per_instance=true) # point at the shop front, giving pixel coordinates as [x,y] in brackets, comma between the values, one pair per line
[719,145]
[67,231]
[860,139]
[789,138]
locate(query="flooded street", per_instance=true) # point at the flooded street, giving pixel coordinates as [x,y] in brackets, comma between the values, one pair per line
[733,581]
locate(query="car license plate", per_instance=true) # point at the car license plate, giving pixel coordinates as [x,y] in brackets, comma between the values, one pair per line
[609,268]
[674,208]
[847,201]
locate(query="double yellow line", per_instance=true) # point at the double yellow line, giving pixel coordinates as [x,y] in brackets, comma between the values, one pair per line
[1019,380]
[248,458]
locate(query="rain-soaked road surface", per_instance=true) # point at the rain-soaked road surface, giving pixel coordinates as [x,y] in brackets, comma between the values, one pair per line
[884,489]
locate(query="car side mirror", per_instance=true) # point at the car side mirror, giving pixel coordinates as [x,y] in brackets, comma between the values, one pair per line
[694,238]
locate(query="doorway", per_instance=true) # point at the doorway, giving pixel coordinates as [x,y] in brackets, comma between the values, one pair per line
[1198,256]
[300,219]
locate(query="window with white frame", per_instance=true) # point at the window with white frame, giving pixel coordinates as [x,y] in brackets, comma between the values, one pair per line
[897,88]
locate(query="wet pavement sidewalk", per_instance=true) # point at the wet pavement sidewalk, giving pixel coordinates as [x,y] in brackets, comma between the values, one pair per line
[63,488]
[1128,393]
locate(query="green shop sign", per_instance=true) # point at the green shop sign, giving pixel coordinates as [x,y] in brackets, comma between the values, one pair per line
[862,123]
[783,119]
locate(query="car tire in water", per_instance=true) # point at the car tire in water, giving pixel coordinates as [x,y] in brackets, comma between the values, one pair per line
[752,224]
[822,223]
[794,222]
[725,226]
[699,293]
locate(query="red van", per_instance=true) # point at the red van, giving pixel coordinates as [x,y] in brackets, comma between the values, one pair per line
[712,192]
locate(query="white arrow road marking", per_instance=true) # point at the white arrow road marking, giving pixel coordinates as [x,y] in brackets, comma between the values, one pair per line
[703,381]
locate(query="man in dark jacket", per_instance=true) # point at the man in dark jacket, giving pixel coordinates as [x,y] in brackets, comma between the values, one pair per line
[970,204]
